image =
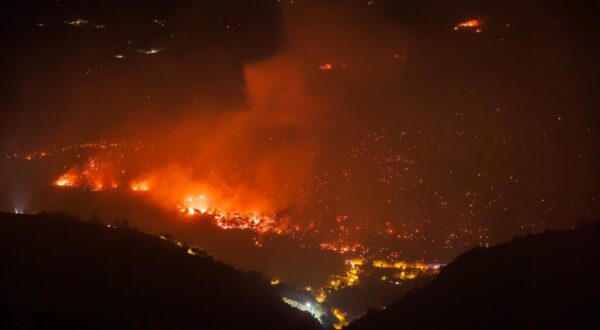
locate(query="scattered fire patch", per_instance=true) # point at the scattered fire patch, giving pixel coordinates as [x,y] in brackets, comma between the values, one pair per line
[470,25]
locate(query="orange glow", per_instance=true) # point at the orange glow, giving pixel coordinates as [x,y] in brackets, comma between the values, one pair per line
[98,186]
[326,66]
[66,180]
[96,174]
[472,24]
[142,185]
[194,204]
[341,317]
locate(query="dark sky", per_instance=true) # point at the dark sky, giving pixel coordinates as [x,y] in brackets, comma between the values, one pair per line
[419,142]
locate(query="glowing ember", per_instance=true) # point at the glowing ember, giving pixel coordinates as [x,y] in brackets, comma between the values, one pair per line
[96,175]
[235,206]
[341,319]
[78,22]
[340,247]
[326,66]
[98,186]
[150,51]
[473,24]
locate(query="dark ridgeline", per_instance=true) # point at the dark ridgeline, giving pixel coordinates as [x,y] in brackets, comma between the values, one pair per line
[61,273]
[544,281]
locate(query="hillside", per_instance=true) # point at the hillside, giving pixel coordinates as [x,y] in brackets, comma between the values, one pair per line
[543,281]
[58,272]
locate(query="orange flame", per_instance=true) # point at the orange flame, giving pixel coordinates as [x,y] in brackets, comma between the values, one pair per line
[195,204]
[95,174]
[472,24]
[142,185]
[66,180]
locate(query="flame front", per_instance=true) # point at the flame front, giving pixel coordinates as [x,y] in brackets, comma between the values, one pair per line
[140,185]
[96,174]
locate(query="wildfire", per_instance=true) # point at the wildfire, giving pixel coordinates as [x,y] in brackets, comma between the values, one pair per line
[95,175]
[221,203]
[194,204]
[176,192]
[341,317]
[98,186]
[142,185]
[472,24]
[340,247]
[66,180]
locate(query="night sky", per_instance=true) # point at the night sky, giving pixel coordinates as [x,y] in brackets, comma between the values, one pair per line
[383,129]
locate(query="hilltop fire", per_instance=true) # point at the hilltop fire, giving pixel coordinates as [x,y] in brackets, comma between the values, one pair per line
[341,146]
[97,173]
[230,204]
[325,136]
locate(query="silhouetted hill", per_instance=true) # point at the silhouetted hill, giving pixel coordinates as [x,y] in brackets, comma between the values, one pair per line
[58,272]
[544,281]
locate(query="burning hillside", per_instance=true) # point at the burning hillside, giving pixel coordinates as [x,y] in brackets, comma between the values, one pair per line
[382,130]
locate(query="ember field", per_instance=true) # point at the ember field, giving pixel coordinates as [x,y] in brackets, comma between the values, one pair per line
[326,144]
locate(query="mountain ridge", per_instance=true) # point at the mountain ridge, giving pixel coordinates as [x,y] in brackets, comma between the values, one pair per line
[60,272]
[541,281]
